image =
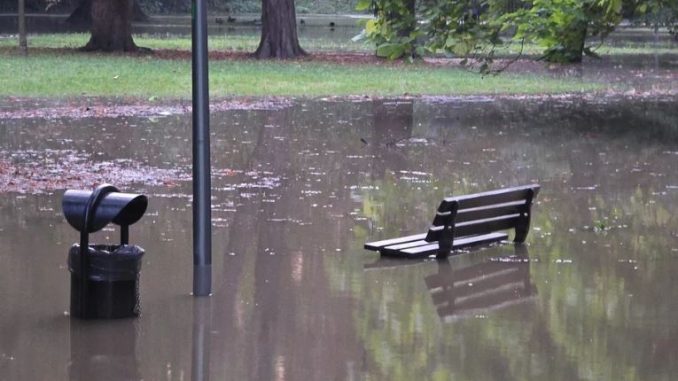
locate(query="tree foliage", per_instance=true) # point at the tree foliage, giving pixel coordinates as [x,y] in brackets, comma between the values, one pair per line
[473,28]
[394,29]
[462,28]
[562,27]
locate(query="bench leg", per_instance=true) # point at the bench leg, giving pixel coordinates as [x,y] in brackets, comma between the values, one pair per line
[445,243]
[446,239]
[443,250]
[521,233]
[523,226]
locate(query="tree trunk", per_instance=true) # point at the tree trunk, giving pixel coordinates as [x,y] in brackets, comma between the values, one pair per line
[576,53]
[278,31]
[571,46]
[82,14]
[23,43]
[111,27]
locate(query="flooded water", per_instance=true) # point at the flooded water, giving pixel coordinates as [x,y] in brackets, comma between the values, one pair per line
[297,191]
[327,27]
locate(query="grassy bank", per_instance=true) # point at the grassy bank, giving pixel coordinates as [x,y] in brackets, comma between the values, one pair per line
[58,73]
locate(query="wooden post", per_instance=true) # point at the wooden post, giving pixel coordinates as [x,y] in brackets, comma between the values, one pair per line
[23,44]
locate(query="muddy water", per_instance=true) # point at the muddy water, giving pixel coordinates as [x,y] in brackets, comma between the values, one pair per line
[339,28]
[298,191]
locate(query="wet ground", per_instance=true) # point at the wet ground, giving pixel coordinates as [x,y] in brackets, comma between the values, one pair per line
[298,190]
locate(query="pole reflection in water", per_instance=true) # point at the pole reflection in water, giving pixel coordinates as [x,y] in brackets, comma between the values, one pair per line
[200,353]
[476,289]
[104,350]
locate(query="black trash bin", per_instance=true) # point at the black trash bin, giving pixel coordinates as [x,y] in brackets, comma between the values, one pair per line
[112,281]
[104,278]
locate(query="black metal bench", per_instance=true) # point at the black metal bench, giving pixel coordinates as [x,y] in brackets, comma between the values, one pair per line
[468,220]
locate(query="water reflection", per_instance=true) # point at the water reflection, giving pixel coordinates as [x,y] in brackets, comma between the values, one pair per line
[478,289]
[182,27]
[104,350]
[200,348]
[472,288]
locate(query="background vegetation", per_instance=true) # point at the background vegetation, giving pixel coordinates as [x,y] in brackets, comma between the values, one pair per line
[184,6]
[474,28]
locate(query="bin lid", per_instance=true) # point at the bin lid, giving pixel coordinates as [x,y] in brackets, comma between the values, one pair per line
[116,207]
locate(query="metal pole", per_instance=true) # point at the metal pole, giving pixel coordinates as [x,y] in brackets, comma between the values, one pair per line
[202,209]
[23,44]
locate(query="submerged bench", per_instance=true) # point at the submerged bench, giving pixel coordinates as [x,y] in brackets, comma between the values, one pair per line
[467,220]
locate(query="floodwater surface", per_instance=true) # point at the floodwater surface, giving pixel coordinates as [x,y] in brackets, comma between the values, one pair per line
[296,193]
[337,27]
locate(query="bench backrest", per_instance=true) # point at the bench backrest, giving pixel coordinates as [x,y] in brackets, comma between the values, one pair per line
[483,213]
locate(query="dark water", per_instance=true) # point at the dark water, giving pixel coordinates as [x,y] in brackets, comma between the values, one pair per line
[297,193]
[340,28]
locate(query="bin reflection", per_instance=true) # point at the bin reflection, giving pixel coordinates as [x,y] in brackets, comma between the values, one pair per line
[104,350]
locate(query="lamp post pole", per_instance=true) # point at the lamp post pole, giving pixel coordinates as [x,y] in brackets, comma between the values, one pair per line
[202,208]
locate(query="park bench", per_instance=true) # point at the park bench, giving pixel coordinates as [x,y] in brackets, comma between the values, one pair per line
[468,220]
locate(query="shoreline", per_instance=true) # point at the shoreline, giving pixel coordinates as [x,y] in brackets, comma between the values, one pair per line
[15,108]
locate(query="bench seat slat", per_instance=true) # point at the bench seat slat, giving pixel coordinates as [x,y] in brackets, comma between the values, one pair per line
[375,246]
[426,249]
[407,245]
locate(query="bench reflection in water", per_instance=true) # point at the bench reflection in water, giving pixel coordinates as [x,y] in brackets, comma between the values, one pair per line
[458,293]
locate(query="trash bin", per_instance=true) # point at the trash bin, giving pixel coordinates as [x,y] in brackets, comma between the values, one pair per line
[112,281]
[104,278]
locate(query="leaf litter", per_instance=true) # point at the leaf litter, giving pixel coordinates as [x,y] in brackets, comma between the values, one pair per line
[44,171]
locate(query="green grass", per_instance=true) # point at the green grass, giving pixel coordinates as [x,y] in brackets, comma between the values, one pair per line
[90,74]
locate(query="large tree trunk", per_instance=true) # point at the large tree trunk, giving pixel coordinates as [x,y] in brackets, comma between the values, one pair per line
[112,26]
[575,46]
[82,14]
[23,43]
[571,46]
[278,31]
